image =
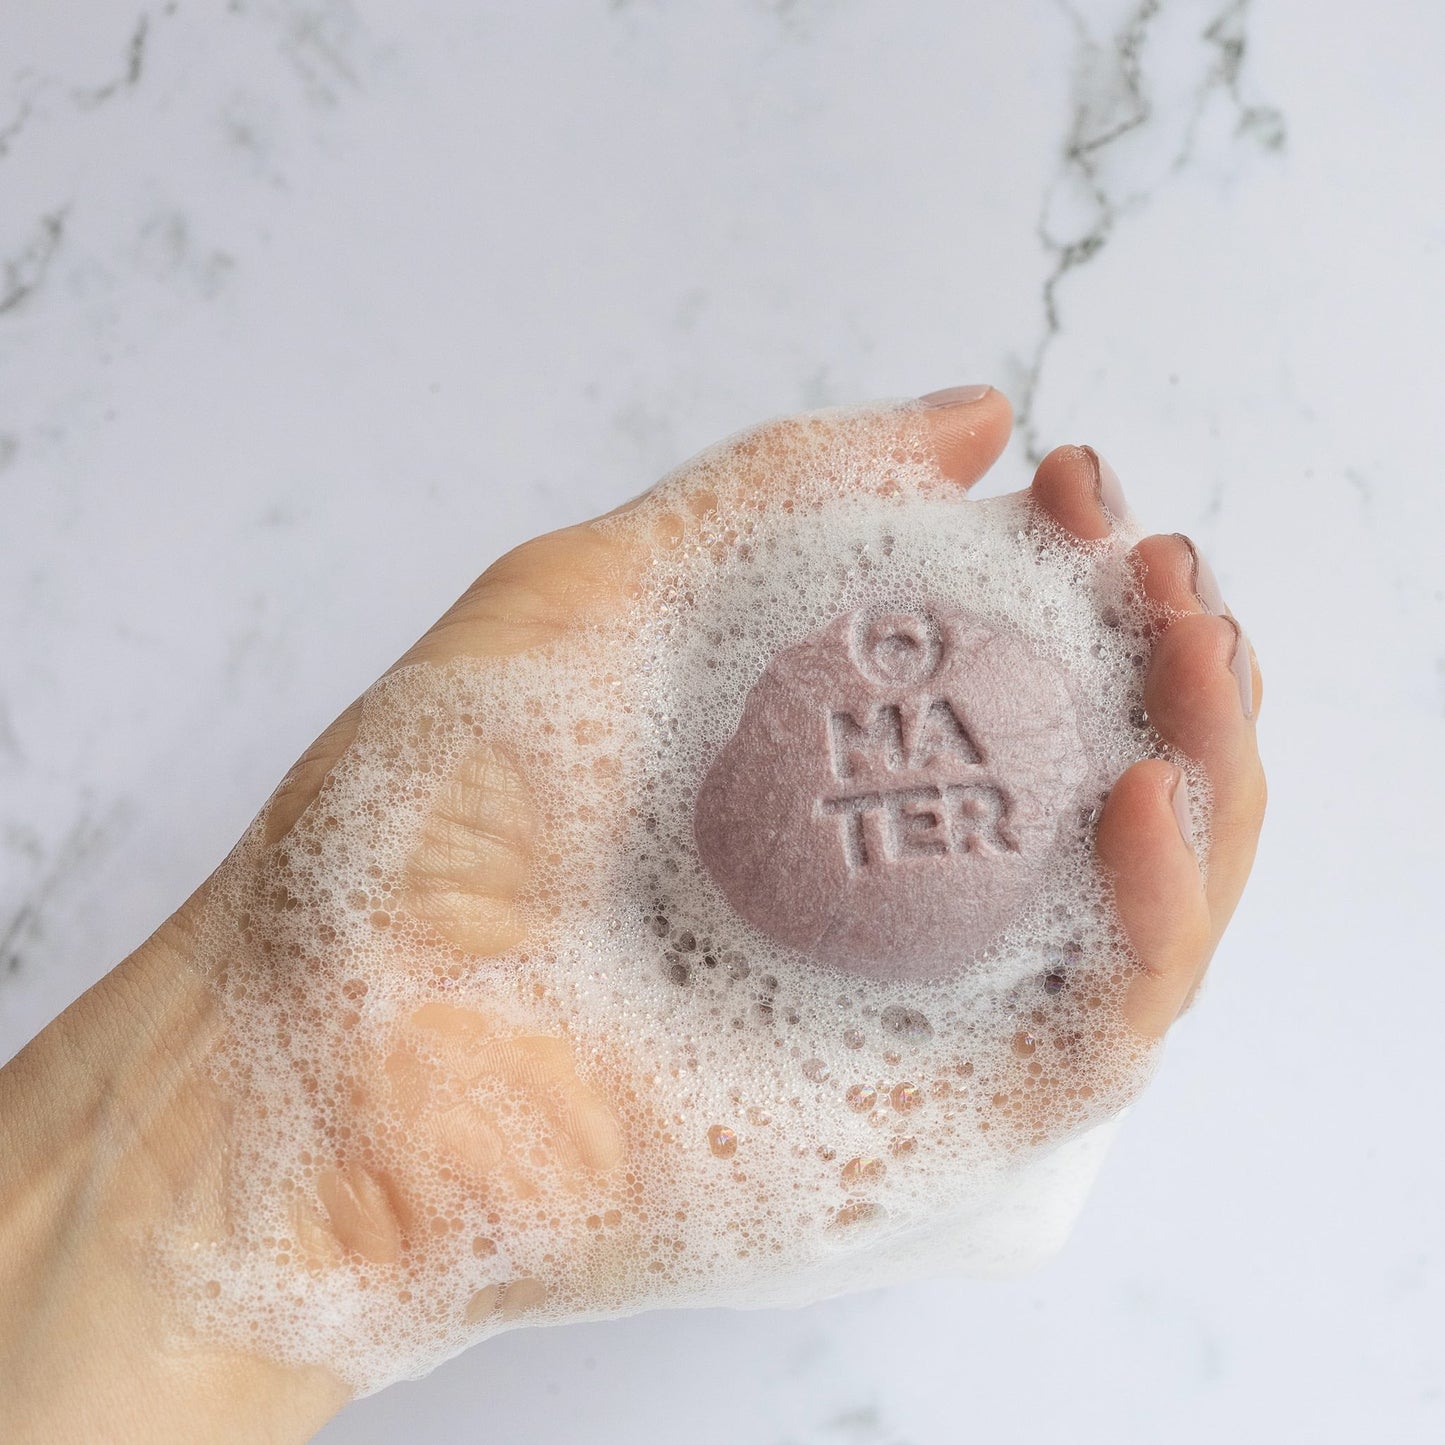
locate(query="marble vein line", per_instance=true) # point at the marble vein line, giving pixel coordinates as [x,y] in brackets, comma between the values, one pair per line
[21,274]
[32,84]
[1103,116]
[84,844]
[134,65]
[24,109]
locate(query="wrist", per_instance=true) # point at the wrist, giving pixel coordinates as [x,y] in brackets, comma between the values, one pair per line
[107,1124]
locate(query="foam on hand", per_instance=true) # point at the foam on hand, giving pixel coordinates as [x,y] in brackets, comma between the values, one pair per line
[740,946]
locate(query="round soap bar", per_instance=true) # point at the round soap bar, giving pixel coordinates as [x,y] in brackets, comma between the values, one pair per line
[893,792]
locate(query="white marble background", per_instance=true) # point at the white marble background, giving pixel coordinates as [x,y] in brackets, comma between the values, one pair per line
[310,308]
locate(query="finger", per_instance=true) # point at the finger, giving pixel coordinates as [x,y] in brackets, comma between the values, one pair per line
[1144,845]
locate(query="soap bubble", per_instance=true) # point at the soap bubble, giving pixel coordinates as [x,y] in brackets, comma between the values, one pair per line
[497,1047]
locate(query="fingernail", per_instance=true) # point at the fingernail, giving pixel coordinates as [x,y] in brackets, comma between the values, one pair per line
[1242,668]
[955,396]
[1203,580]
[1111,494]
[1183,813]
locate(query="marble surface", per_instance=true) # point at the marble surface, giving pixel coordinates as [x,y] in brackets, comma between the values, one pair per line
[310,308]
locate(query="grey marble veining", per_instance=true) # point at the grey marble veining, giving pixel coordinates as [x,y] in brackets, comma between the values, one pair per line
[1149,83]
[309,309]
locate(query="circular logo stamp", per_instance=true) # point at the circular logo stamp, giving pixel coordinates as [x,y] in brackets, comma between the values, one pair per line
[898,649]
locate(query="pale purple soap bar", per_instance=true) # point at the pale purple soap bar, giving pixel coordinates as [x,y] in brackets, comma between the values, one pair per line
[893,792]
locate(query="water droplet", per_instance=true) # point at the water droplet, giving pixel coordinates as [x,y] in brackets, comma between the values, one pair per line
[816,1070]
[758,1117]
[865,1169]
[1024,1043]
[862,1097]
[853,1038]
[906,1023]
[684,942]
[905,1097]
[1053,982]
[900,1148]
[722,1141]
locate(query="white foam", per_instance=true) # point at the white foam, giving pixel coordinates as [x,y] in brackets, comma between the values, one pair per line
[786,1132]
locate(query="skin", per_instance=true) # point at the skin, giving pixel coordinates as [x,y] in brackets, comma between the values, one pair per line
[104,1117]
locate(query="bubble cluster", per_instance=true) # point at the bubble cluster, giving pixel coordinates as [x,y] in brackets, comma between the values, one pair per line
[494,1045]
